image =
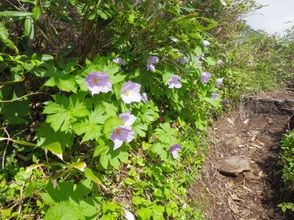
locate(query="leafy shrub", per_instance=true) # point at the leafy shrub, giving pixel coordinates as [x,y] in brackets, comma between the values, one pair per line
[105,104]
[287,158]
[108,121]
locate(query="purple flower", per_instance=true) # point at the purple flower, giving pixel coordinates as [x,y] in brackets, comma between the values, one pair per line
[129,215]
[119,61]
[205,77]
[98,82]
[121,134]
[174,150]
[175,82]
[137,2]
[151,61]
[206,43]
[183,60]
[219,82]
[128,118]
[214,95]
[220,62]
[130,92]
[144,97]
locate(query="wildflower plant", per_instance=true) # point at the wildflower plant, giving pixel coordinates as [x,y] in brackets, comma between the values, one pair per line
[109,124]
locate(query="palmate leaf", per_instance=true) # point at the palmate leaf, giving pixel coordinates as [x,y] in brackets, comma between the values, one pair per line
[16,112]
[64,111]
[149,113]
[64,210]
[90,130]
[68,198]
[60,78]
[54,141]
[166,134]
[92,126]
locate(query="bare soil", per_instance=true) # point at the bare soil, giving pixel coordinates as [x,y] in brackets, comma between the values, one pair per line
[253,130]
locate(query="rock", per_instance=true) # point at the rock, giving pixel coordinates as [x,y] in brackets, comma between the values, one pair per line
[233,143]
[270,121]
[230,121]
[246,121]
[234,165]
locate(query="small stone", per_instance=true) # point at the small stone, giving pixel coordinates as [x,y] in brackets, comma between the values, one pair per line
[231,121]
[270,121]
[233,143]
[234,165]
[246,121]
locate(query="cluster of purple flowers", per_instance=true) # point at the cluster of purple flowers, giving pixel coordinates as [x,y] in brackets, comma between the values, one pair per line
[98,82]
[151,61]
[123,133]
[119,61]
[206,43]
[205,77]
[174,150]
[183,60]
[175,82]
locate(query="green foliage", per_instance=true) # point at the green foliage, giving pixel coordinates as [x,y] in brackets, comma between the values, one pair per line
[48,49]
[286,206]
[64,111]
[287,159]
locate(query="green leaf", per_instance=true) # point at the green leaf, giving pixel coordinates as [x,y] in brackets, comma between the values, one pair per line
[102,14]
[68,85]
[224,2]
[36,12]
[159,150]
[214,102]
[114,162]
[91,127]
[90,130]
[104,159]
[63,211]
[140,129]
[59,118]
[149,113]
[15,14]
[81,166]
[55,148]
[100,148]
[123,156]
[16,112]
[4,37]
[144,213]
[100,114]
[67,191]
[47,137]
[29,28]
[92,176]
[65,111]
[61,78]
[210,61]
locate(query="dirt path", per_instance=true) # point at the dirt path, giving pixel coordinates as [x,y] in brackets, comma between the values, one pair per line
[252,131]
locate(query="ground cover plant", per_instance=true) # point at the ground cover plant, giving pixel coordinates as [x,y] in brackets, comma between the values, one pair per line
[288,170]
[104,105]
[96,101]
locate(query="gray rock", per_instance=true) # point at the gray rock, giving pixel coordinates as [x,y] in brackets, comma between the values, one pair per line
[233,143]
[234,165]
